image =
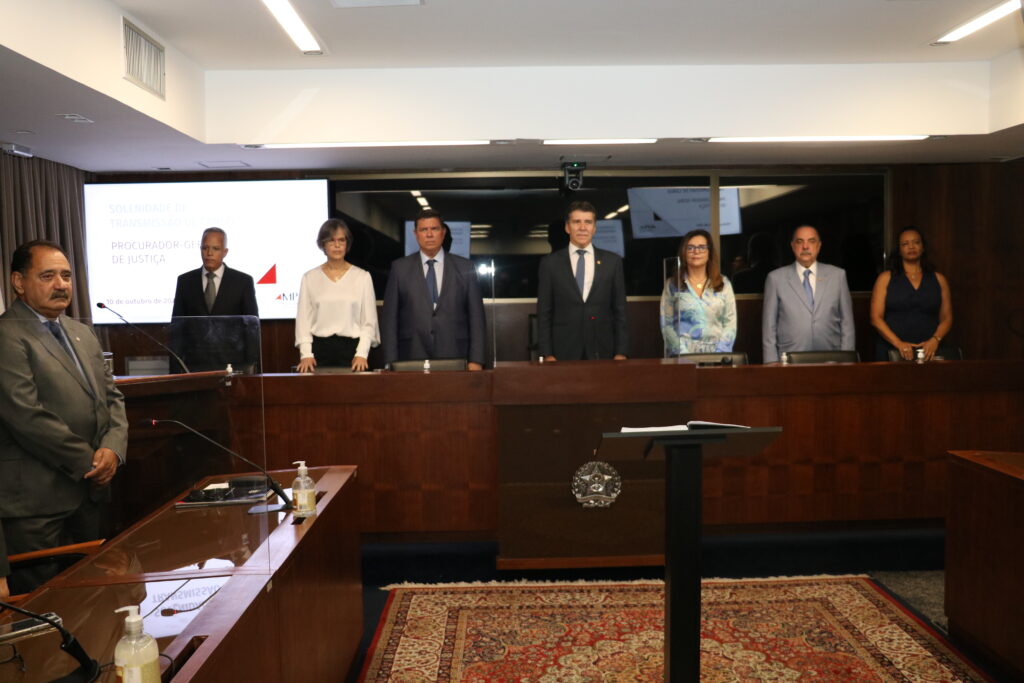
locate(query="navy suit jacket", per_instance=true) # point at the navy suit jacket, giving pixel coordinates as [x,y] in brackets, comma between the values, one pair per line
[788,323]
[412,329]
[570,328]
[206,343]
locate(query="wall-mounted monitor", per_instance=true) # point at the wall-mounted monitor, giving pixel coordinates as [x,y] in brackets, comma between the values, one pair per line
[141,236]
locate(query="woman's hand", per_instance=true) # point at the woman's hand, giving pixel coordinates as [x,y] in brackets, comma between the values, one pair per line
[359,364]
[906,350]
[306,365]
[930,347]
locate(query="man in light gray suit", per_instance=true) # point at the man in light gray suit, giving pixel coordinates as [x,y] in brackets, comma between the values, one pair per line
[63,430]
[807,305]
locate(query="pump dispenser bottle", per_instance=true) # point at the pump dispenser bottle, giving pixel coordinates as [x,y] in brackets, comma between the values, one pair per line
[136,656]
[303,492]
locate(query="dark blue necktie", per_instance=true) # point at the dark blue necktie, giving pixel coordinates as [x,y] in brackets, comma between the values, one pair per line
[432,281]
[807,287]
[581,270]
[54,329]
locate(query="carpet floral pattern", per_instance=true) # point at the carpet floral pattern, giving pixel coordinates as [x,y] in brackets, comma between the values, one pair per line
[822,628]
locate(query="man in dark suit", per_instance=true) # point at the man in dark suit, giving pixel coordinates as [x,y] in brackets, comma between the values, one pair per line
[807,304]
[63,430]
[210,343]
[581,296]
[432,304]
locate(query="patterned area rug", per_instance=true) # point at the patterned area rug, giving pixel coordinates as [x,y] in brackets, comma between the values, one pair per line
[821,628]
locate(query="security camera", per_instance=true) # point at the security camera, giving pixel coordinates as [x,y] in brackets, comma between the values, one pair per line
[572,174]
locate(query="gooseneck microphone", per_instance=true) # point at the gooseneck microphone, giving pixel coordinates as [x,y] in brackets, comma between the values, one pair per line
[273,485]
[100,304]
[88,669]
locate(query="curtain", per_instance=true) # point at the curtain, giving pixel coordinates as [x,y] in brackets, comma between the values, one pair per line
[44,200]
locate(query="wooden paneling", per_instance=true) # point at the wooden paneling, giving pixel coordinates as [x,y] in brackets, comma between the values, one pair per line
[860,442]
[984,602]
[424,443]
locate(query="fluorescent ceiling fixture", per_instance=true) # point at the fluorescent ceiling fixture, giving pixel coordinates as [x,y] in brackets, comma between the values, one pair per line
[423,202]
[612,215]
[622,209]
[991,16]
[356,4]
[824,138]
[401,143]
[603,141]
[293,26]
[481,226]
[415,193]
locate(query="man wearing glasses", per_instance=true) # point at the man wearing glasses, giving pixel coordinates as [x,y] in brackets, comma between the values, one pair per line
[581,296]
[807,305]
[432,304]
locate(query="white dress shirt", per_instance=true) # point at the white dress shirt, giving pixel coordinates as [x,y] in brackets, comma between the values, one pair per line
[814,275]
[438,268]
[588,259]
[218,276]
[346,307]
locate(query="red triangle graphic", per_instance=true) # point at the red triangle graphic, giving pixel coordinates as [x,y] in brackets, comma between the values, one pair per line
[279,297]
[270,277]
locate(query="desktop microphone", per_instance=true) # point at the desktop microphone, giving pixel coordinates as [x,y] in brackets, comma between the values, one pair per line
[273,485]
[100,304]
[88,669]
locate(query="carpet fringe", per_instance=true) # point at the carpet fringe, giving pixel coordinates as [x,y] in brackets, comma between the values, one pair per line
[649,582]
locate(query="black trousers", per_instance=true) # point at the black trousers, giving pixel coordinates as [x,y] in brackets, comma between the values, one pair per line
[25,534]
[334,351]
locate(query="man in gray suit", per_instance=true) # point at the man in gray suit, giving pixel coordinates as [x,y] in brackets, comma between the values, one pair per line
[807,305]
[63,430]
[432,304]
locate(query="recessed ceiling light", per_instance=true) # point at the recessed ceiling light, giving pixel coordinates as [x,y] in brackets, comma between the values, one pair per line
[356,4]
[223,164]
[423,202]
[75,118]
[415,193]
[980,22]
[293,25]
[603,141]
[823,138]
[405,143]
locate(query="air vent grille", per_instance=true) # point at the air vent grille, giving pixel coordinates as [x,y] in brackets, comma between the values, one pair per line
[143,59]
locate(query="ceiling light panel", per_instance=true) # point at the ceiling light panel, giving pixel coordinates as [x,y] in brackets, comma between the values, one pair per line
[293,25]
[978,23]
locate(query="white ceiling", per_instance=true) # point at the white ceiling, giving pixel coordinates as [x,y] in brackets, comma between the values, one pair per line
[241,35]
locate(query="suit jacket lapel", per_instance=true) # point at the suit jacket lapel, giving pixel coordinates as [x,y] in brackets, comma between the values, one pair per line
[823,281]
[53,346]
[798,289]
[569,274]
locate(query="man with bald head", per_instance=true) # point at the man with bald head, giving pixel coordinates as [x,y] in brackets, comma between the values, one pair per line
[63,430]
[807,305]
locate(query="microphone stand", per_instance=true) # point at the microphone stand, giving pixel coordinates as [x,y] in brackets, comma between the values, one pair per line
[271,483]
[88,669]
[135,327]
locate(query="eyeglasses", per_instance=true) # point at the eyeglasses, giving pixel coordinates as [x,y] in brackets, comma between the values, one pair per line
[696,248]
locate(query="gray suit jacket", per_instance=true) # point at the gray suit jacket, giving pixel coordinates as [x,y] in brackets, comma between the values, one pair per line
[789,324]
[412,329]
[52,419]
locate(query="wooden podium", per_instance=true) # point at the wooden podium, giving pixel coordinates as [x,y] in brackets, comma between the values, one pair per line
[684,454]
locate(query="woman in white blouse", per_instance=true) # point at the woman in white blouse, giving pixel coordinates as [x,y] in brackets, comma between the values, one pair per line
[336,323]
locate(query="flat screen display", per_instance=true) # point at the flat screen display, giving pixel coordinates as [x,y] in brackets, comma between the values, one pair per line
[141,236]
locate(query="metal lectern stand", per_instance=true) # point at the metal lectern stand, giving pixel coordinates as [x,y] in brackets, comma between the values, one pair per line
[684,451]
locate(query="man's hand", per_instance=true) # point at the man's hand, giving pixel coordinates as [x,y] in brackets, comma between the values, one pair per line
[4,590]
[618,356]
[474,367]
[549,359]
[104,466]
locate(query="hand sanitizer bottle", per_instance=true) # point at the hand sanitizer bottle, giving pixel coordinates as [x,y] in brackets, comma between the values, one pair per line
[303,492]
[136,656]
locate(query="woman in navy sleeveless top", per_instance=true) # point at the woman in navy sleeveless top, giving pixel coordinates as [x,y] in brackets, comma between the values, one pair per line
[910,305]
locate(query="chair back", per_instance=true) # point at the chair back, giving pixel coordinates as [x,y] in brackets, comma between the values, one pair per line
[706,359]
[796,357]
[436,365]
